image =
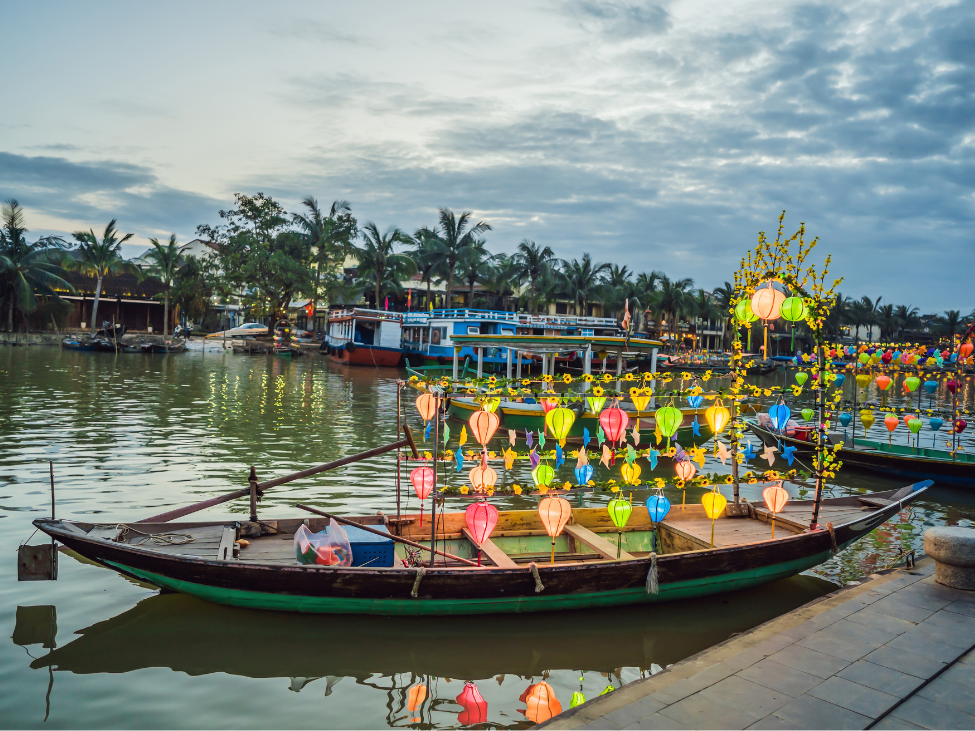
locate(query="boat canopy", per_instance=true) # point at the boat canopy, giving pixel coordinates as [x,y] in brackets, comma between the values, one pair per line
[560,343]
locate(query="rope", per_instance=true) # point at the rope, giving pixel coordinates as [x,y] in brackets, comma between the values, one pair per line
[832,537]
[653,576]
[159,539]
[416,581]
[539,586]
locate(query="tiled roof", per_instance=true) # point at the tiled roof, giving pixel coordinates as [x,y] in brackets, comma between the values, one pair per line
[115,286]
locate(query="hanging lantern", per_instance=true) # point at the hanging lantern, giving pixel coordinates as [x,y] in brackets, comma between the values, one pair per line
[960,425]
[578,698]
[883,382]
[543,475]
[838,380]
[966,349]
[640,398]
[714,504]
[423,479]
[631,473]
[542,703]
[743,311]
[863,380]
[775,498]
[414,699]
[482,477]
[475,707]
[935,423]
[716,416]
[559,422]
[555,512]
[802,377]
[614,423]
[491,404]
[426,404]
[483,425]
[952,386]
[658,506]
[619,511]
[685,470]
[793,309]
[931,387]
[668,420]
[911,383]
[866,418]
[807,413]
[767,302]
[596,403]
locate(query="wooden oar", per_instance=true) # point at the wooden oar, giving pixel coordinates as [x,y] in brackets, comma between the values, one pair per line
[261,486]
[366,528]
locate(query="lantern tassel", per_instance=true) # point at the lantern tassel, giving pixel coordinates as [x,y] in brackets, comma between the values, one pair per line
[712,532]
[653,577]
[773,527]
[553,550]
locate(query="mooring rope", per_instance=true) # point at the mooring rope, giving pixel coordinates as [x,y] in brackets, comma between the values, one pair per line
[160,539]
[539,586]
[832,537]
[416,582]
[653,576]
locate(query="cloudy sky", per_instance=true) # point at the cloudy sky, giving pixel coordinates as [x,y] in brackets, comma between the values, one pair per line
[656,135]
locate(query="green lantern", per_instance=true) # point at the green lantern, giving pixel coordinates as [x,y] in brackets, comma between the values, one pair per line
[668,420]
[619,511]
[793,309]
[596,403]
[912,382]
[743,311]
[802,377]
[578,698]
[807,413]
[915,425]
[543,475]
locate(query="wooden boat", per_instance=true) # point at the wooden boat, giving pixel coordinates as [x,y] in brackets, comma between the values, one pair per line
[132,347]
[365,337]
[171,346]
[82,343]
[586,574]
[916,463]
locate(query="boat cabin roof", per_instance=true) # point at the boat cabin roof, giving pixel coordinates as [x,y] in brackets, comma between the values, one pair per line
[559,343]
[358,313]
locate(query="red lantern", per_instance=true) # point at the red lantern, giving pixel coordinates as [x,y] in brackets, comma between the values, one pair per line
[483,425]
[952,386]
[475,707]
[423,479]
[887,357]
[614,421]
[960,425]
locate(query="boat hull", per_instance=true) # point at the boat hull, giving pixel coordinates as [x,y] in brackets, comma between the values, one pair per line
[369,355]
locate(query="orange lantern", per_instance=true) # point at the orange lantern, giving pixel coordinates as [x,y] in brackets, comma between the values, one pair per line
[766,302]
[483,425]
[686,470]
[542,703]
[883,382]
[426,404]
[482,477]
[415,697]
[555,512]
[907,420]
[775,498]
[891,423]
[966,349]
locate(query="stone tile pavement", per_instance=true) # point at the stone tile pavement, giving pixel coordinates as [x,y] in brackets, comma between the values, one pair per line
[896,652]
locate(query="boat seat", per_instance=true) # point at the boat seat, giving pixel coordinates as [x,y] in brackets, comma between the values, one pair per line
[490,549]
[876,502]
[597,543]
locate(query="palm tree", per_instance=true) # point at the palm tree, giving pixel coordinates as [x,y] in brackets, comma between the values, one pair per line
[887,321]
[27,269]
[165,263]
[99,258]
[704,307]
[328,237]
[507,277]
[838,315]
[475,266]
[535,262]
[672,299]
[861,314]
[454,236]
[582,281]
[949,324]
[426,257]
[724,298]
[908,318]
[379,263]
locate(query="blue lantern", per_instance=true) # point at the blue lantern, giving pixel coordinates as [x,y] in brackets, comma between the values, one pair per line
[840,380]
[584,474]
[935,423]
[695,401]
[780,414]
[658,506]
[845,420]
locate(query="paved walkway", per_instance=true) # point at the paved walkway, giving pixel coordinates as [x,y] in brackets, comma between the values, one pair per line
[897,652]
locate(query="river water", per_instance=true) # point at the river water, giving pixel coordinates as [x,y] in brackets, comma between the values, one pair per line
[132,435]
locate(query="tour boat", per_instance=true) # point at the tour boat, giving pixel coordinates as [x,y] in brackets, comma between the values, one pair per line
[365,337]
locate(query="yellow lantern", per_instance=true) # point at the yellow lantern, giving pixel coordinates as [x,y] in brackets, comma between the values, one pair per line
[631,473]
[714,504]
[863,379]
[491,404]
[767,302]
[640,397]
[717,417]
[867,419]
[559,422]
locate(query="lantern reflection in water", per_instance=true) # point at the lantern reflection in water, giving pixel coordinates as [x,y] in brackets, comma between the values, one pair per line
[541,701]
[475,707]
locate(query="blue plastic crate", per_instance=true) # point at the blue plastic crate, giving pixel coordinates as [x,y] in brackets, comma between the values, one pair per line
[368,549]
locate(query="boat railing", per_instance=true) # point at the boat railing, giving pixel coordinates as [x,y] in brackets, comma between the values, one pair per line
[363,312]
[521,318]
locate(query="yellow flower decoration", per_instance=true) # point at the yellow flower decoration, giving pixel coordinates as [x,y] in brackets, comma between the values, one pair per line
[607,377]
[472,391]
[629,377]
[516,489]
[492,380]
[547,378]
[598,391]
[542,489]
[525,382]
[566,378]
[464,490]
[587,377]
[413,379]
[567,485]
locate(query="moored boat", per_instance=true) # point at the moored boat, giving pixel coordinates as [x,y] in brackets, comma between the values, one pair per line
[82,343]
[170,346]
[205,560]
[365,337]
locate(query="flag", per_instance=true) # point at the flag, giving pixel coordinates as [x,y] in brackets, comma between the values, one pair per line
[431,307]
[626,315]
[387,302]
[310,309]
[409,298]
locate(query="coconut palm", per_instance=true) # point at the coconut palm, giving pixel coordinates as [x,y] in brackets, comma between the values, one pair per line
[908,318]
[165,261]
[329,239]
[887,320]
[379,263]
[453,236]
[672,299]
[582,281]
[507,277]
[99,257]
[426,257]
[475,266]
[27,269]
[534,262]
[949,324]
[703,307]
[860,314]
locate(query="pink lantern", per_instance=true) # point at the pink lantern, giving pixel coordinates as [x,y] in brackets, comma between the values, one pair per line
[614,421]
[952,386]
[423,479]
[960,425]
[481,518]
[475,707]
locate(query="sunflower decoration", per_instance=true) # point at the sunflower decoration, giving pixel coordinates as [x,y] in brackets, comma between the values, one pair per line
[607,377]
[598,391]
[647,376]
[414,379]
[566,378]
[464,489]
[547,378]
[525,382]
[492,380]
[444,383]
[629,377]
[685,376]
[516,489]
[587,377]
[472,391]
[512,392]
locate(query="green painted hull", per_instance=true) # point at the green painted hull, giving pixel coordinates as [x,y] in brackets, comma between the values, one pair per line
[413,607]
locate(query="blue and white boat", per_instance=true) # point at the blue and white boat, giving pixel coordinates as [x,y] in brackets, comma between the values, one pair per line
[427,336]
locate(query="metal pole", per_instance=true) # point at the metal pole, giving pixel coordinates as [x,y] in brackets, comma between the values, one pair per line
[253,493]
[51,466]
[433,492]
[509,364]
[653,381]
[399,413]
[821,431]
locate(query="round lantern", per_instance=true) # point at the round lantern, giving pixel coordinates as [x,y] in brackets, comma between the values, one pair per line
[596,403]
[559,422]
[482,477]
[714,504]
[966,349]
[426,404]
[952,386]
[685,470]
[883,382]
[668,420]
[743,311]
[931,387]
[554,512]
[481,518]
[619,511]
[907,419]
[717,417]
[614,423]
[474,705]
[767,302]
[936,423]
[543,475]
[775,498]
[423,479]
[793,309]
[807,413]
[658,506]
[483,425]
[542,703]
[960,425]
[866,418]
[631,473]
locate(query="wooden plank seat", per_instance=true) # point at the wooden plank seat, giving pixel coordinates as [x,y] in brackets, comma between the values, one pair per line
[490,549]
[597,543]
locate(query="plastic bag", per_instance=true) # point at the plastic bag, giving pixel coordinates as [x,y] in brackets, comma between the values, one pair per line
[328,548]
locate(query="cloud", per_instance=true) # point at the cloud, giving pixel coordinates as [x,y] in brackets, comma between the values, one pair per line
[314,31]
[621,19]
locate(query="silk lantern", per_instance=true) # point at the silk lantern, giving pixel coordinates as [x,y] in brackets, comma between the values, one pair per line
[802,377]
[554,512]
[793,309]
[766,302]
[657,506]
[640,398]
[966,349]
[542,475]
[714,504]
[668,420]
[542,703]
[481,518]
[780,415]
[685,470]
[891,423]
[883,382]
[559,422]
[482,477]
[775,498]
[426,404]
[619,512]
[613,422]
[863,380]
[631,473]
[483,426]
[838,380]
[743,311]
[915,425]
[911,383]
[952,386]
[423,480]
[474,705]
[596,403]
[807,413]
[867,419]
[960,425]
[491,404]
[717,417]
[845,420]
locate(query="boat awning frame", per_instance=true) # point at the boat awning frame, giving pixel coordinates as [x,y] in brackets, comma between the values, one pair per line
[558,343]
